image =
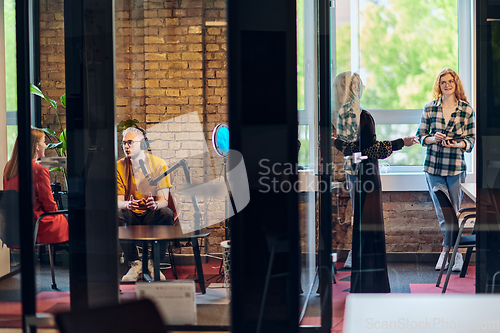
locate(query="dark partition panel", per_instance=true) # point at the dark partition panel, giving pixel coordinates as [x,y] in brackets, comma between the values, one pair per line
[91,128]
[28,288]
[488,145]
[263,127]
[325,163]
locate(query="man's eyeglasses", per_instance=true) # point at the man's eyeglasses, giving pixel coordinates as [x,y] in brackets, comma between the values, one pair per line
[443,83]
[129,142]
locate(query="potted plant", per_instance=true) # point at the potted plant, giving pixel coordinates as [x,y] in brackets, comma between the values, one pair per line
[57,142]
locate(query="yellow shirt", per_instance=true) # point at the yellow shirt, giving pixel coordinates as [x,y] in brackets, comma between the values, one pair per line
[133,182]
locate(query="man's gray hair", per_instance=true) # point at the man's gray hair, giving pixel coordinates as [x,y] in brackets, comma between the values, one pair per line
[132,129]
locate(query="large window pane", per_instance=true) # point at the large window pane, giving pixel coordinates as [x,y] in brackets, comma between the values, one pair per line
[402,46]
[10,70]
[414,155]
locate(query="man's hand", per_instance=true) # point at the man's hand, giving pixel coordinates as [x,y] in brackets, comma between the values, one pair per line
[151,203]
[133,204]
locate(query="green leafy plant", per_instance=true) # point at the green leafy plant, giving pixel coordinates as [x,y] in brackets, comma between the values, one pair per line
[57,142]
[124,124]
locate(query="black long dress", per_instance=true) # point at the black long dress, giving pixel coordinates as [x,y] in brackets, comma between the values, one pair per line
[369,262]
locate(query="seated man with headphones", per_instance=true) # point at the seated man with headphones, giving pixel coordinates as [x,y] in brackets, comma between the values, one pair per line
[138,201]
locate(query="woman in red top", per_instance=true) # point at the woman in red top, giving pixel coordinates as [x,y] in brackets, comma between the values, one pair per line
[54,228]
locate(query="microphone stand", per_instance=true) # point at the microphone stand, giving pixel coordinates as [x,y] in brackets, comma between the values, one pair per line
[226,222]
[197,212]
[182,163]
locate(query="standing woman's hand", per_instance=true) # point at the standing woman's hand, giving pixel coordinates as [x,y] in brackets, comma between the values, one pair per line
[438,137]
[454,144]
[410,141]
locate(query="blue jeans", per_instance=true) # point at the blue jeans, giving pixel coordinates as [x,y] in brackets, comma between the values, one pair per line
[451,184]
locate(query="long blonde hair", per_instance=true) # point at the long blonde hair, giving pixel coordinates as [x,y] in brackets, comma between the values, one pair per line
[459,88]
[12,168]
[353,96]
[339,89]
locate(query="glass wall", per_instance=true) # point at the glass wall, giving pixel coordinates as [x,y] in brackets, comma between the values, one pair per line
[377,40]
[171,81]
[10,279]
[170,75]
[307,109]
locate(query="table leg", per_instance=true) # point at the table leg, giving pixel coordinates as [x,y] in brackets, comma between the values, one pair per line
[156,260]
[172,262]
[199,267]
[145,254]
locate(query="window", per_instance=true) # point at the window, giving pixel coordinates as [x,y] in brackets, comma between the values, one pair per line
[10,72]
[398,47]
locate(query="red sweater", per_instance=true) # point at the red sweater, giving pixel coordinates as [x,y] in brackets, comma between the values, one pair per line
[54,228]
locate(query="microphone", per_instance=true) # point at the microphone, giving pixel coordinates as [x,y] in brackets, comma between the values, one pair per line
[145,171]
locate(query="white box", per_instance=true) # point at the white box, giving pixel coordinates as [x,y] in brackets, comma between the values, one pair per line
[175,300]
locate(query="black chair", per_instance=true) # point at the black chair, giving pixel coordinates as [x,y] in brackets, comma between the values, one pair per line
[453,237]
[9,218]
[130,317]
[464,215]
[9,226]
[50,247]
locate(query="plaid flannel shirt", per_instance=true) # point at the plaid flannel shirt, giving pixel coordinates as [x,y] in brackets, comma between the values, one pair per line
[347,124]
[446,161]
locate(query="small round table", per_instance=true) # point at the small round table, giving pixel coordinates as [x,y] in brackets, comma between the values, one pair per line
[153,234]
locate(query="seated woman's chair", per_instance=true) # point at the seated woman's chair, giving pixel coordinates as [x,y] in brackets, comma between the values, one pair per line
[453,237]
[50,247]
[9,225]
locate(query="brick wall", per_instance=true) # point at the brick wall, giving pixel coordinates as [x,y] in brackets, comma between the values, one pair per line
[52,59]
[170,61]
[409,219]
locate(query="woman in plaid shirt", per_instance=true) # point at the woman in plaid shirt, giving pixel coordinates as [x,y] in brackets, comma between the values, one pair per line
[447,130]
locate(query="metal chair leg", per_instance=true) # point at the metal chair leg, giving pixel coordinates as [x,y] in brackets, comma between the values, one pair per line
[442,266]
[468,254]
[51,260]
[269,275]
[450,267]
[266,286]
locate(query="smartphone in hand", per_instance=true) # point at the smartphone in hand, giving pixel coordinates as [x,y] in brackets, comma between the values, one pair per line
[448,141]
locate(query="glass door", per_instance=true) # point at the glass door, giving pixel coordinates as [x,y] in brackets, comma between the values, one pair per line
[350,239]
[308,153]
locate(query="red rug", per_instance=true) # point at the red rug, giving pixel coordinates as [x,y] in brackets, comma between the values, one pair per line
[339,294]
[340,290]
[456,284]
